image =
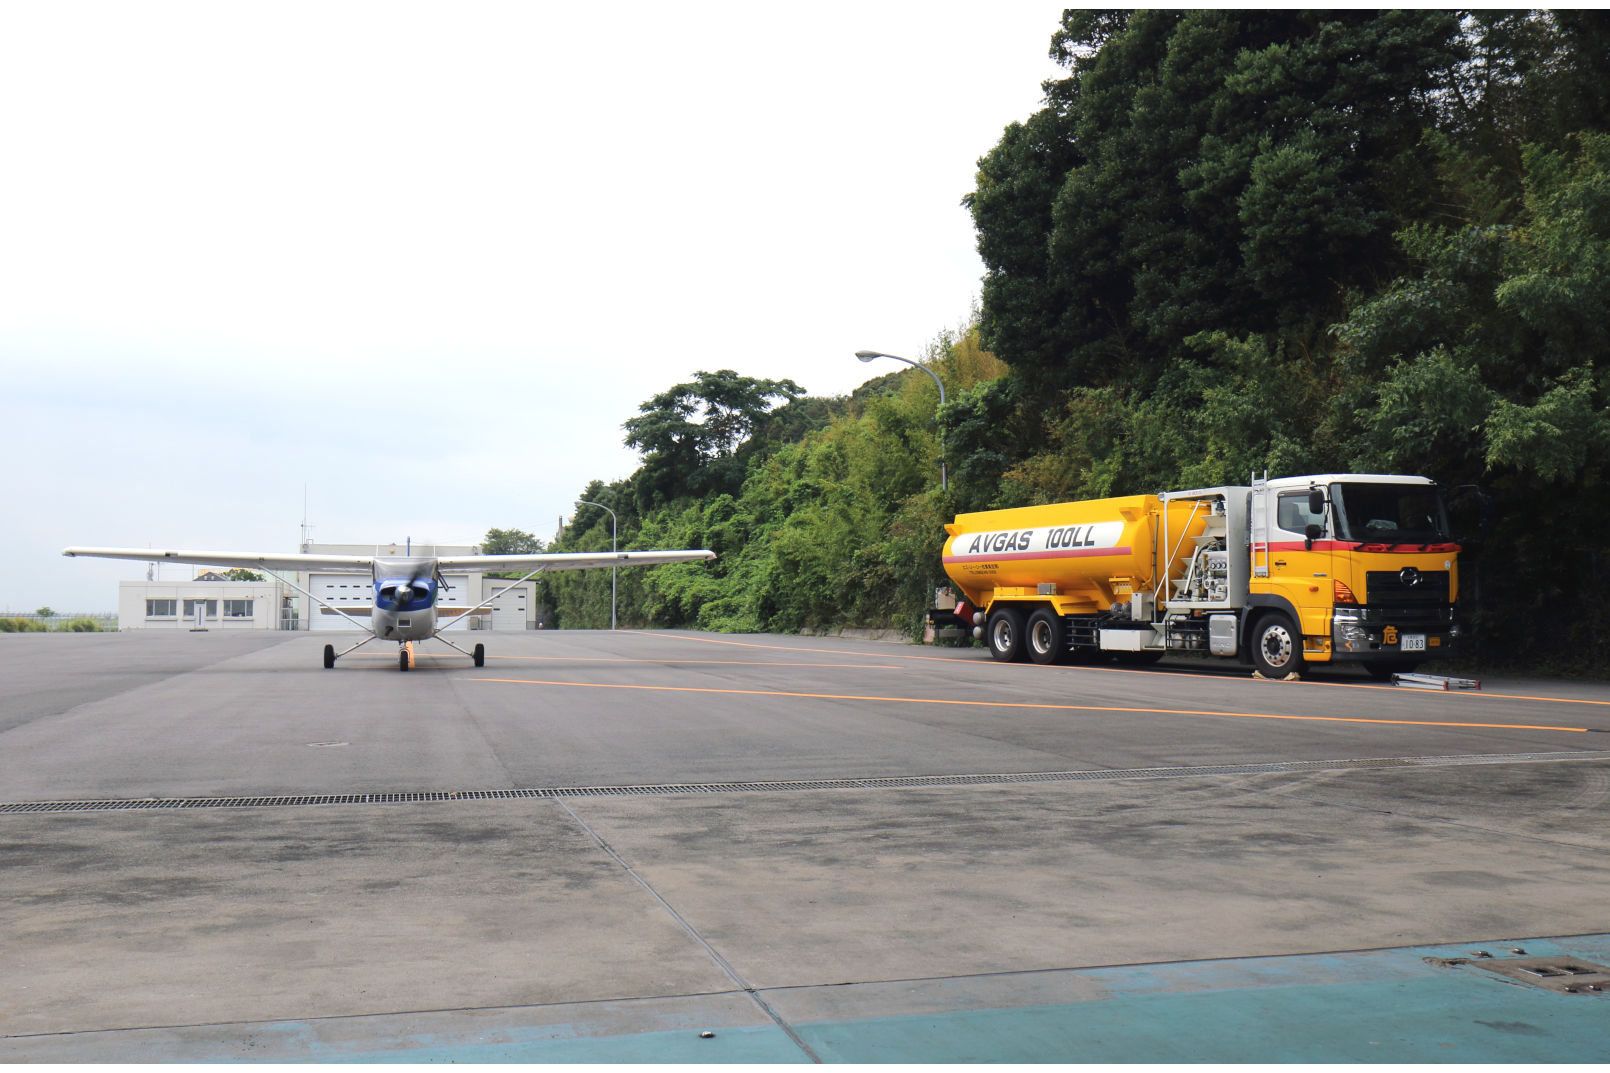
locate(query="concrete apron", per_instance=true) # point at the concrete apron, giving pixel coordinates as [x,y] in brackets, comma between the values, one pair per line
[1466,1002]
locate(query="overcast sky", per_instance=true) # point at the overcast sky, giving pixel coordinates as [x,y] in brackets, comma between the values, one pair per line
[423,260]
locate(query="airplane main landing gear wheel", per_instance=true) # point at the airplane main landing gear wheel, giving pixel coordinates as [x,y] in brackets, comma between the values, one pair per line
[329,656]
[480,655]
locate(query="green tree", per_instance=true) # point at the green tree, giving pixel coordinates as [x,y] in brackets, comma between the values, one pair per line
[690,435]
[512,542]
[1231,171]
[236,573]
[1526,77]
[509,542]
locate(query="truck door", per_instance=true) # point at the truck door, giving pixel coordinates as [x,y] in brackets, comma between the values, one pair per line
[1300,559]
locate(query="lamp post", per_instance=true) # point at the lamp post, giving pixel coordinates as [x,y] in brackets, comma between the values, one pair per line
[614,569]
[868,355]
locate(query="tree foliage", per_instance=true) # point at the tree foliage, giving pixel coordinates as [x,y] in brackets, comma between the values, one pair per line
[509,542]
[831,521]
[1222,170]
[690,434]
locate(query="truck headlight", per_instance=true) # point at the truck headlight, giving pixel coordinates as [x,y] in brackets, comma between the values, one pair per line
[1347,632]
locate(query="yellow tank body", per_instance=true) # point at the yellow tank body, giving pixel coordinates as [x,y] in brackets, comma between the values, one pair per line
[1081,557]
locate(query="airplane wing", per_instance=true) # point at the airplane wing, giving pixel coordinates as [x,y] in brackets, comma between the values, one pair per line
[546,561]
[267,560]
[279,560]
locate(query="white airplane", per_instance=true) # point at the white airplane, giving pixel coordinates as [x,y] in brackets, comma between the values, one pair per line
[405,587]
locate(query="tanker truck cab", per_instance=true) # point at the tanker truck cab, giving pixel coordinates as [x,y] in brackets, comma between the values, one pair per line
[1363,562]
[1284,573]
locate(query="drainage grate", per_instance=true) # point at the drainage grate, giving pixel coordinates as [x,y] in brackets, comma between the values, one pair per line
[1565,975]
[793,786]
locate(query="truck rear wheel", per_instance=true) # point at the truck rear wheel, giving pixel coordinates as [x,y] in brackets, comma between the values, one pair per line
[1047,637]
[1277,647]
[1004,632]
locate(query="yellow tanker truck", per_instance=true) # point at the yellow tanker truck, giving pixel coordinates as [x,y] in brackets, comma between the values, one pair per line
[1286,573]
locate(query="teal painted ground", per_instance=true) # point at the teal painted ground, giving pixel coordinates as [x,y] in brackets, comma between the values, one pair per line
[1401,1021]
[1374,1006]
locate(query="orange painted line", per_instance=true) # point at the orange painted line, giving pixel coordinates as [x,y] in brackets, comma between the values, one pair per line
[1025,704]
[1521,696]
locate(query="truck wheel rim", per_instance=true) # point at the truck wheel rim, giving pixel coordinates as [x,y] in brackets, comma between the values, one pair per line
[1277,646]
[1040,637]
[1003,635]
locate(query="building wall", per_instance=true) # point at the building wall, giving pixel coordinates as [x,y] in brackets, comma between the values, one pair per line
[223,605]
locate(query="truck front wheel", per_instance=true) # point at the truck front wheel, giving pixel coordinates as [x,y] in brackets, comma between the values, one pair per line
[1277,647]
[1004,631]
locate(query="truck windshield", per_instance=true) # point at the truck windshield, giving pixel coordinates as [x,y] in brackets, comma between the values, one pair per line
[1390,513]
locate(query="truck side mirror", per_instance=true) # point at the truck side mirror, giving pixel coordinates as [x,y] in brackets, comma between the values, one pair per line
[1311,534]
[1316,501]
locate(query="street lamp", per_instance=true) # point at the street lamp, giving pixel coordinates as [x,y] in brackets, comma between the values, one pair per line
[614,569]
[868,355]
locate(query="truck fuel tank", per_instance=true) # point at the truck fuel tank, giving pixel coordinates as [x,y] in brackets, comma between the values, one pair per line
[1086,555]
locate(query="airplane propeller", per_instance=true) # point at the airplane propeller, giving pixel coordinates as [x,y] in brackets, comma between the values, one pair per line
[407,590]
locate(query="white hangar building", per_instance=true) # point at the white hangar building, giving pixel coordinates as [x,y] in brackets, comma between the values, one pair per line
[207,602]
[210,602]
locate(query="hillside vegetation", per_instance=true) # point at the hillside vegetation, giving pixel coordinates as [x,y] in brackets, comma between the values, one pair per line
[1232,241]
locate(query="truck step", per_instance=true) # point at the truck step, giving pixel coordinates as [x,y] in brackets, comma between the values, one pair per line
[1434,681]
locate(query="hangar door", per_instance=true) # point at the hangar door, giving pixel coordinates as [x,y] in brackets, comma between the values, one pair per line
[352,593]
[509,610]
[355,594]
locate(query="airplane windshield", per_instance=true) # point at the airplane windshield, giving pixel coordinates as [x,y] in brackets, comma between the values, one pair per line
[1390,513]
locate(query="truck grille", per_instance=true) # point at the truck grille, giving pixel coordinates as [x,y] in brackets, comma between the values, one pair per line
[1408,587]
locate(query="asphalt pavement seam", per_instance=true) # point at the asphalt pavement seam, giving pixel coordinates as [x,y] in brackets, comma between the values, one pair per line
[726,966]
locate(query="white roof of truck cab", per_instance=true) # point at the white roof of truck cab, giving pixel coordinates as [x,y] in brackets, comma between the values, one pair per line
[1285,483]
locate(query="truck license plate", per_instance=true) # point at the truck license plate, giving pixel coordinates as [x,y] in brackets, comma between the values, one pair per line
[1413,642]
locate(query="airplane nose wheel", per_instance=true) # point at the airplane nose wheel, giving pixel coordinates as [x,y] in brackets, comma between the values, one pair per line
[405,657]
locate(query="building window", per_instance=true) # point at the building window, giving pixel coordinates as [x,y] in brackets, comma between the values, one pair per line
[237,609]
[208,607]
[161,608]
